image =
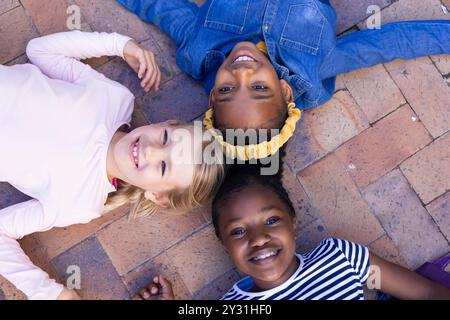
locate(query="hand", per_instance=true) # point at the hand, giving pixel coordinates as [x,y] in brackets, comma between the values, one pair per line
[160,289]
[143,62]
[68,294]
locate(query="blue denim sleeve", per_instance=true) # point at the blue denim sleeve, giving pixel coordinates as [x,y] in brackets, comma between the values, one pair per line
[404,40]
[175,18]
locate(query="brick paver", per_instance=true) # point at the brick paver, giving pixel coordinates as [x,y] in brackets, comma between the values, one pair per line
[439,209]
[382,147]
[429,170]
[334,194]
[406,222]
[372,165]
[323,129]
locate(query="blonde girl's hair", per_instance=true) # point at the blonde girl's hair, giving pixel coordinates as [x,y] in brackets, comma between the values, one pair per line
[207,179]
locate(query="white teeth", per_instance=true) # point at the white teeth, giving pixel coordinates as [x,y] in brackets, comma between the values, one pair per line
[264,256]
[244,58]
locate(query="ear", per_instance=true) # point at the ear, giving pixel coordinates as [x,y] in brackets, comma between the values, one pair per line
[211,99]
[159,198]
[286,90]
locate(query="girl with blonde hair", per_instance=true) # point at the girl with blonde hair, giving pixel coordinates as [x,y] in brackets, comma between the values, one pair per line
[66,142]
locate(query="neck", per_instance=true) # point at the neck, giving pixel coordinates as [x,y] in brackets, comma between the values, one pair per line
[261,285]
[111,166]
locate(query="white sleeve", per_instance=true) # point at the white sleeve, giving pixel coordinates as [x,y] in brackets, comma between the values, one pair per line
[16,222]
[58,55]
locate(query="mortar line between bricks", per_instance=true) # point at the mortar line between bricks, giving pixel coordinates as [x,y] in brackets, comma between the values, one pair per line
[11,9]
[212,281]
[364,19]
[425,205]
[361,195]
[437,224]
[183,238]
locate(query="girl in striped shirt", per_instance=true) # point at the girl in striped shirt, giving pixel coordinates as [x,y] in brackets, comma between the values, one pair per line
[255,221]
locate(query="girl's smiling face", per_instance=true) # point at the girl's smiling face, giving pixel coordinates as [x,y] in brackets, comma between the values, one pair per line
[149,157]
[258,232]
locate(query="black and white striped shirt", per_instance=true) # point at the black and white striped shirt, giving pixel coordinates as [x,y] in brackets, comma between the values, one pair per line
[334,270]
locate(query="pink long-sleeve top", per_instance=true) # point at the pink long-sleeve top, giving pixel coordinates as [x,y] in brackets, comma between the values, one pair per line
[57,118]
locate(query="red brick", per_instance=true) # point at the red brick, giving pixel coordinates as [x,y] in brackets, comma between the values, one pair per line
[6,5]
[310,236]
[353,11]
[440,211]
[131,243]
[217,289]
[428,171]
[425,90]
[9,292]
[58,240]
[99,279]
[38,255]
[16,30]
[305,212]
[382,147]
[47,18]
[385,248]
[405,220]
[142,276]
[200,259]
[110,16]
[339,202]
[323,129]
[374,91]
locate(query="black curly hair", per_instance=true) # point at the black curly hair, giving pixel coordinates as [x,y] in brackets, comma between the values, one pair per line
[243,176]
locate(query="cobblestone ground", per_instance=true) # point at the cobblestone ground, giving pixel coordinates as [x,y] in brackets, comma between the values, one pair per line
[372,165]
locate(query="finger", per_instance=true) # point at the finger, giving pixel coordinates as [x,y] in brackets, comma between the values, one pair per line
[142,66]
[145,294]
[151,72]
[157,72]
[165,284]
[154,289]
[156,279]
[151,81]
[137,297]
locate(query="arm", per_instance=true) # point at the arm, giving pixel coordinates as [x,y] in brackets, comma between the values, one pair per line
[58,55]
[16,222]
[175,18]
[404,284]
[404,40]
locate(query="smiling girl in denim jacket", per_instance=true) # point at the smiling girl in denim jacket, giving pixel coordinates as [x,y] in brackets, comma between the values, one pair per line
[263,61]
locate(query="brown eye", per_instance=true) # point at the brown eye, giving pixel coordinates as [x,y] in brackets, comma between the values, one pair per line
[225,89]
[260,87]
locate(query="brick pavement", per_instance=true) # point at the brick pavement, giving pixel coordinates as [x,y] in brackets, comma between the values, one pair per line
[372,165]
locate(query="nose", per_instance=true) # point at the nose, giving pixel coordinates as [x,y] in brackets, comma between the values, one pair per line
[259,238]
[154,153]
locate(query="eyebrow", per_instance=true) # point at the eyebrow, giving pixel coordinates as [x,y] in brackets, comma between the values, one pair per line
[256,97]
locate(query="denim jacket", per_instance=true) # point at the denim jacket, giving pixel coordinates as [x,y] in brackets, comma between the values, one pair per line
[299,35]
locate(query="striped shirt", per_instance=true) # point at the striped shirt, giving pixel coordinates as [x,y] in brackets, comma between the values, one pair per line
[334,270]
